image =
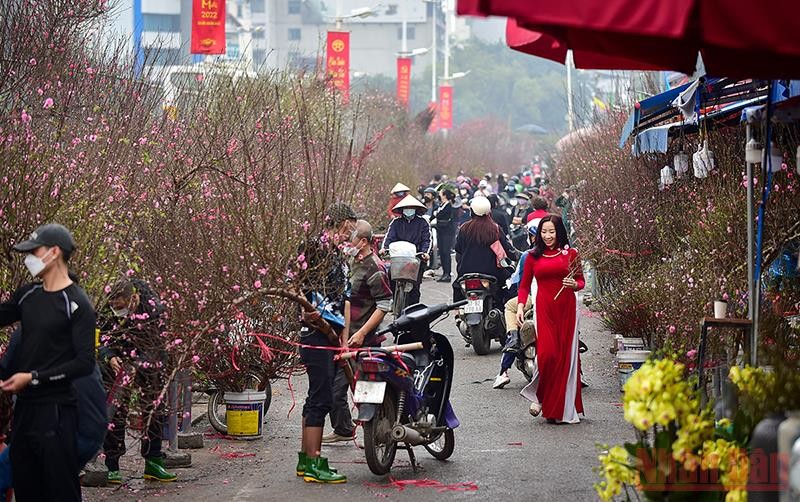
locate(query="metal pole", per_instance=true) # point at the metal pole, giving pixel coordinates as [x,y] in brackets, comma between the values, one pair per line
[172,394]
[751,290]
[338,15]
[434,57]
[404,36]
[446,40]
[186,390]
[570,109]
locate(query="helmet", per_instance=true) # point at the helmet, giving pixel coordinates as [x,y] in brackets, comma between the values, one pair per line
[480,206]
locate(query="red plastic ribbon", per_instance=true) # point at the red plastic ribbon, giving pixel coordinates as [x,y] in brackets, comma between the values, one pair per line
[401,484]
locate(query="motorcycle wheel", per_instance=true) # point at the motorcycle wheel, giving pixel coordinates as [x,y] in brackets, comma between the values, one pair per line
[399,300]
[216,403]
[443,447]
[480,340]
[379,448]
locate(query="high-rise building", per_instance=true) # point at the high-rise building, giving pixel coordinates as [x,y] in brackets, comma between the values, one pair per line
[287,33]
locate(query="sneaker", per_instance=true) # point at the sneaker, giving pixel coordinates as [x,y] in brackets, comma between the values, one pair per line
[318,471]
[154,469]
[114,478]
[429,274]
[337,438]
[501,380]
[444,278]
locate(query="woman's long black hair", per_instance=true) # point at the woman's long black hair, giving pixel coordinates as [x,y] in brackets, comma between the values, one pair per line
[539,246]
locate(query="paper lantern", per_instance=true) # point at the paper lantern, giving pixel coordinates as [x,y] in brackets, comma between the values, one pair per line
[666,176]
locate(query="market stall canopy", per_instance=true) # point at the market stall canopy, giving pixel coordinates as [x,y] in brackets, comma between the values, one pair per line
[739,38]
[713,102]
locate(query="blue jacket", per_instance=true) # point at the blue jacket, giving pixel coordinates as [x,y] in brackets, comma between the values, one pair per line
[417,231]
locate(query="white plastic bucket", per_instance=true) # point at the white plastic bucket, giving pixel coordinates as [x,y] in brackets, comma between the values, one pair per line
[629,361]
[631,344]
[244,413]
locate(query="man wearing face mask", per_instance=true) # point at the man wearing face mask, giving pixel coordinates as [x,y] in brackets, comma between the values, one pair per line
[57,347]
[325,285]
[370,300]
[135,355]
[410,227]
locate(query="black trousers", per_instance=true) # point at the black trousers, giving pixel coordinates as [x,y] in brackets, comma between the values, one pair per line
[44,457]
[320,369]
[446,239]
[149,382]
[341,418]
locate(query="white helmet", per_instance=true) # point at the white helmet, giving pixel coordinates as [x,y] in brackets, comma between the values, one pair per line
[480,206]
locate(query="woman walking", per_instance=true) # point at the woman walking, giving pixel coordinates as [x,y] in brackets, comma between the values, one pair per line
[446,231]
[558,273]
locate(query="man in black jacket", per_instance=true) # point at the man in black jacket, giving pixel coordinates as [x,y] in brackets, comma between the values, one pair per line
[498,215]
[57,346]
[135,354]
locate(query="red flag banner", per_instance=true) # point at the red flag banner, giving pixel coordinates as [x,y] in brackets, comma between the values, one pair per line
[403,81]
[337,61]
[445,107]
[208,27]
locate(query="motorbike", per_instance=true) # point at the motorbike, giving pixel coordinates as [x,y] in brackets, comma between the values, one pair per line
[526,359]
[404,263]
[403,398]
[482,318]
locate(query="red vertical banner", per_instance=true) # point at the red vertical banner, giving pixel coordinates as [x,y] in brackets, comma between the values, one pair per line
[208,27]
[337,61]
[445,107]
[403,81]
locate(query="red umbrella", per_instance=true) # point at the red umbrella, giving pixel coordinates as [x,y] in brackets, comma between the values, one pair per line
[736,37]
[606,53]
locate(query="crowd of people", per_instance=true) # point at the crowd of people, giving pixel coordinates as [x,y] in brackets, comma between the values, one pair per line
[72,392]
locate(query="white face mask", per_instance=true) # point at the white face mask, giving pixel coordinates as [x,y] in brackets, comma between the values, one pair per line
[34,264]
[120,313]
[409,213]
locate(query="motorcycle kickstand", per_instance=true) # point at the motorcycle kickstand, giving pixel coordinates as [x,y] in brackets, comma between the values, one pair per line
[412,458]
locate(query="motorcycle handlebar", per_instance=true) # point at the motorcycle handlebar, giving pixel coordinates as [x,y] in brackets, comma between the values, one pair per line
[432,313]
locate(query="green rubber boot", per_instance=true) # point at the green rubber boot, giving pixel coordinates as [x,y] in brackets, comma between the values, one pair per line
[302,459]
[154,469]
[318,471]
[114,478]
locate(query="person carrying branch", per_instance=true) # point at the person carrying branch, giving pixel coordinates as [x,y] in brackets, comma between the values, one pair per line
[557,269]
[134,353]
[370,300]
[325,285]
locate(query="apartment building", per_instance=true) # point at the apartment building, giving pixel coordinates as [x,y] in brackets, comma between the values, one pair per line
[288,33]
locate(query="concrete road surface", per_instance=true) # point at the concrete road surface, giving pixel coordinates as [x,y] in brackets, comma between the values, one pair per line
[501,451]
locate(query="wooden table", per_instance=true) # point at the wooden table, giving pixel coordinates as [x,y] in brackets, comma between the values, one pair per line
[744,325]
